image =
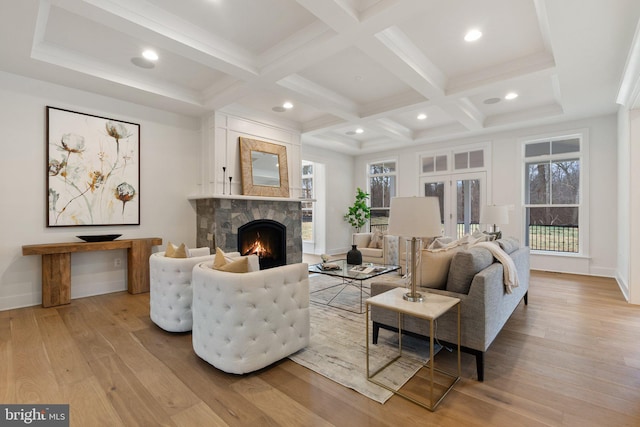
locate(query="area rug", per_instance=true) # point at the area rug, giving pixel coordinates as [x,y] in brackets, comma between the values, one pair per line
[337,349]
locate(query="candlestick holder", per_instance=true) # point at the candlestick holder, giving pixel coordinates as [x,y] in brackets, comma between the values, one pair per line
[224,178]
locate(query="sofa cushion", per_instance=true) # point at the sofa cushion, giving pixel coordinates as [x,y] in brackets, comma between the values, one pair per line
[376,239]
[442,242]
[509,244]
[371,252]
[176,252]
[435,267]
[464,265]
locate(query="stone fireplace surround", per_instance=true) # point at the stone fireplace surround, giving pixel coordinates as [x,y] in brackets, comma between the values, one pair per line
[218,219]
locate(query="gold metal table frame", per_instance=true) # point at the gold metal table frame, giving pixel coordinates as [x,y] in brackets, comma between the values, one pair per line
[430,309]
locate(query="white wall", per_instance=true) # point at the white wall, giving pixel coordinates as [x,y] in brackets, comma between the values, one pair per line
[339,194]
[169,149]
[504,180]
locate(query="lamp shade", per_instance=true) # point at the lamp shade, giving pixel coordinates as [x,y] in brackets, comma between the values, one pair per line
[415,217]
[494,214]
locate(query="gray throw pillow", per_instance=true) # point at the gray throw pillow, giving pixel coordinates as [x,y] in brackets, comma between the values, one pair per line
[509,244]
[464,265]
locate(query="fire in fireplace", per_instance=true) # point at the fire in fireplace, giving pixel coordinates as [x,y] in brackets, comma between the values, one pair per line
[265,238]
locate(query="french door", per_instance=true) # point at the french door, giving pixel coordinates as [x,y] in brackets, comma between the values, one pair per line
[461,196]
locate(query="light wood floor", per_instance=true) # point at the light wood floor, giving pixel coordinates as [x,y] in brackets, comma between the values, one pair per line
[571,357]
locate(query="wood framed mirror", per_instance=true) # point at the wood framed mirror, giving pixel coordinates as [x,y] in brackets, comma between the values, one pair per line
[264,168]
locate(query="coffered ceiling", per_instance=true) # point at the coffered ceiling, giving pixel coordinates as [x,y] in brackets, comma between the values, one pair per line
[373,65]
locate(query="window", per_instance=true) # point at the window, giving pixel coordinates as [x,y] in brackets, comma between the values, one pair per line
[553,183]
[382,187]
[307,207]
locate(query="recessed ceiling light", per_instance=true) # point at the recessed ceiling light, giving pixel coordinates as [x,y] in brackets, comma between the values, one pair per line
[142,63]
[510,96]
[350,133]
[472,35]
[359,130]
[287,105]
[150,55]
[278,109]
[422,116]
[491,101]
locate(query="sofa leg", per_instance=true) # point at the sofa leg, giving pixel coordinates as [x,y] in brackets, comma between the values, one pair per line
[376,330]
[480,365]
[526,298]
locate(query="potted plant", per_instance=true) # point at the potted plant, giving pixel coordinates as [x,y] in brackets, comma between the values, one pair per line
[360,212]
[357,216]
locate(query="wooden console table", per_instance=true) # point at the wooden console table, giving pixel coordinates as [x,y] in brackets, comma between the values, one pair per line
[56,265]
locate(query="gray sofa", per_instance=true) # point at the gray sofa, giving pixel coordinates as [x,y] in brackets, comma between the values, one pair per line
[476,278]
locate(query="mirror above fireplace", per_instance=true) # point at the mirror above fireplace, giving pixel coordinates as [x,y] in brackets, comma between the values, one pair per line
[264,168]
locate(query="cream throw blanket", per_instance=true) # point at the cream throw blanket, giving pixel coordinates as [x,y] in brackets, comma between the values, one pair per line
[508,266]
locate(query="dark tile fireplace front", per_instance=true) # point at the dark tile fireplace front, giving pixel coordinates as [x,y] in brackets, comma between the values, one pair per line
[265,238]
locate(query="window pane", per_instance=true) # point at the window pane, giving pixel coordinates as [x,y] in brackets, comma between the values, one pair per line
[427,165]
[436,189]
[383,188]
[379,219]
[389,167]
[566,146]
[537,149]
[476,159]
[307,188]
[384,167]
[460,160]
[468,206]
[553,229]
[441,163]
[538,180]
[565,181]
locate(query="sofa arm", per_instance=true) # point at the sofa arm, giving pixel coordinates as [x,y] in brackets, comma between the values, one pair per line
[390,248]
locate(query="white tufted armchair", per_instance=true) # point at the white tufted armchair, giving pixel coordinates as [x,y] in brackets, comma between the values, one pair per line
[243,322]
[170,289]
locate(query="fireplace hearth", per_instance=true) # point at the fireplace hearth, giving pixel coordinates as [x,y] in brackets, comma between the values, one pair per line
[266,239]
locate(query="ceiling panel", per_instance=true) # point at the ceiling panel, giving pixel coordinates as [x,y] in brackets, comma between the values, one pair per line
[510,31]
[254,25]
[356,76]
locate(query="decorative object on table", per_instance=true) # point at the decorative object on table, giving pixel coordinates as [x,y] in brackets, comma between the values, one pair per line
[230,178]
[264,168]
[354,256]
[414,217]
[324,258]
[99,237]
[327,266]
[224,178]
[360,212]
[494,215]
[93,175]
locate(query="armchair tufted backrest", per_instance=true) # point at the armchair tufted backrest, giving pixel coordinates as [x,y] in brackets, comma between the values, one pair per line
[246,321]
[170,290]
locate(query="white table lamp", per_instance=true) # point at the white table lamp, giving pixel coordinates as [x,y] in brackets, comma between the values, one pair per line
[494,215]
[414,217]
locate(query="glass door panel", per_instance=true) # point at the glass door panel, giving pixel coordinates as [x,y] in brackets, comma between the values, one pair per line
[460,203]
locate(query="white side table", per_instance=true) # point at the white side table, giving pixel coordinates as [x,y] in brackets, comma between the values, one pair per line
[432,307]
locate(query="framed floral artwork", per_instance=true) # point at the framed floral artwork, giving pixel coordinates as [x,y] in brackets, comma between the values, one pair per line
[93,170]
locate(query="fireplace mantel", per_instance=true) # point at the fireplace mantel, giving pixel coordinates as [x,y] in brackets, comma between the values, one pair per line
[239,197]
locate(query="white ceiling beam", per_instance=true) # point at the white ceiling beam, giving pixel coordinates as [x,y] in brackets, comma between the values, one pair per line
[406,61]
[177,35]
[322,97]
[629,92]
[464,112]
[538,64]
[391,128]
